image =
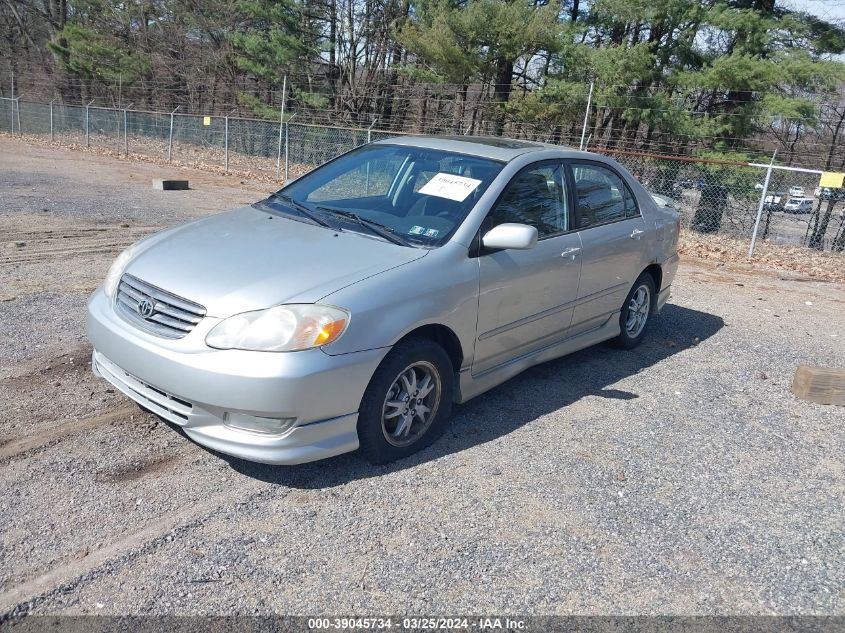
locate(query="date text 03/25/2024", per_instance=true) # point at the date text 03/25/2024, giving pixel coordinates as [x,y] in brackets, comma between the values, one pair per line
[417,624]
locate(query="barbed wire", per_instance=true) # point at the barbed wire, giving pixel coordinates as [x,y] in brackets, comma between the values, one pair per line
[631,121]
[681,93]
[815,120]
[611,137]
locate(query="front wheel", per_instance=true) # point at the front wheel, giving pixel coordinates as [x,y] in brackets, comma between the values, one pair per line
[408,402]
[636,312]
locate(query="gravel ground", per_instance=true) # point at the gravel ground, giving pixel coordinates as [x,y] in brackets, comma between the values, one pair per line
[680,478]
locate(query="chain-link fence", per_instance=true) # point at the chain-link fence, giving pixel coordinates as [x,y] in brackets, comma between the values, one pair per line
[723,197]
[713,197]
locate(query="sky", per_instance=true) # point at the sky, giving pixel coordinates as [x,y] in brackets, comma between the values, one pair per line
[832,10]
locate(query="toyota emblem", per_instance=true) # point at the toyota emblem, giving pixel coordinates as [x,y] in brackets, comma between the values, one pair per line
[146,308]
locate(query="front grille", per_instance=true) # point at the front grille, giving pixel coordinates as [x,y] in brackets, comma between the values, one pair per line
[166,315]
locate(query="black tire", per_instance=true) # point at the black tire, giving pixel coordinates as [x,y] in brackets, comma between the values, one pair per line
[424,356]
[627,338]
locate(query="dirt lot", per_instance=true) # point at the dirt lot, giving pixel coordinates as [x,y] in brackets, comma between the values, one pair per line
[681,478]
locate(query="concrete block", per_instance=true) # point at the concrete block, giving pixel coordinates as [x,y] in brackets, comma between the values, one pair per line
[170,185]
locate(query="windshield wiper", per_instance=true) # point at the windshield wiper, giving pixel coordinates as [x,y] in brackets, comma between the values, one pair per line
[379,229]
[308,213]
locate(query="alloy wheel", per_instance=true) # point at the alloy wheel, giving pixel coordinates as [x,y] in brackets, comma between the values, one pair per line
[638,309]
[411,404]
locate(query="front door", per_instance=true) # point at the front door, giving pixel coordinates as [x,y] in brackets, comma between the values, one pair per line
[526,297]
[611,230]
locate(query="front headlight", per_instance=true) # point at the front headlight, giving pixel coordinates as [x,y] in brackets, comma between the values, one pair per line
[116,271]
[285,328]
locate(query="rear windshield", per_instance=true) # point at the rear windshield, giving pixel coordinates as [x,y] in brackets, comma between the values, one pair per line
[421,195]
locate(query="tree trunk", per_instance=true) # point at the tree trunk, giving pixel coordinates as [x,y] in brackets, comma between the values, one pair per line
[501,93]
[817,237]
[460,107]
[422,113]
[333,54]
[711,208]
[839,241]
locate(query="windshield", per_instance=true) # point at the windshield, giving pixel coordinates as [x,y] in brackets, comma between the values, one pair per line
[409,195]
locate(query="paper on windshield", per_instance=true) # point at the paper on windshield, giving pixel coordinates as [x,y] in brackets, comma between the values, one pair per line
[450,186]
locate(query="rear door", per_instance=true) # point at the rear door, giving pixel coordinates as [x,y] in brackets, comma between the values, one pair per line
[612,232]
[526,296]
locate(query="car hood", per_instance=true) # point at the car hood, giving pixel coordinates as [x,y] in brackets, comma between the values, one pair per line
[243,260]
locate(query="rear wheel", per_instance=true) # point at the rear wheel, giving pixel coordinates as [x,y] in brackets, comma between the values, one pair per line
[407,404]
[636,312]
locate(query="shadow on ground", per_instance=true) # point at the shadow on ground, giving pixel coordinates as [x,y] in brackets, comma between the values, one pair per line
[532,394]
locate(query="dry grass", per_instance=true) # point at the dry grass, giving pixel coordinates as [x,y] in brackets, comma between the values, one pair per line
[816,265]
[154,151]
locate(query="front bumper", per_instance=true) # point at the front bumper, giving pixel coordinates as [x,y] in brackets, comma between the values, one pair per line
[192,385]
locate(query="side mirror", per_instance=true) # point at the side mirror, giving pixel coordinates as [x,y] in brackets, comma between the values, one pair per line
[510,235]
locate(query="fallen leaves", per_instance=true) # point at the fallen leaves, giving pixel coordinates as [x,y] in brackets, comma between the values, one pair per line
[817,265]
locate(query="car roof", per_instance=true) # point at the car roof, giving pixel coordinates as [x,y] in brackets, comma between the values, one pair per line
[494,147]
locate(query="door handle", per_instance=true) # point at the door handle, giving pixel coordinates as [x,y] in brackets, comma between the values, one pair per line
[571,253]
[635,234]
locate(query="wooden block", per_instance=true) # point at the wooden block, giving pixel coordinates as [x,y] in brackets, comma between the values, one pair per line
[820,385]
[170,185]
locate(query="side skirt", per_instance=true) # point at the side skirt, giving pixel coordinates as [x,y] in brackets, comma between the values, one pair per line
[470,385]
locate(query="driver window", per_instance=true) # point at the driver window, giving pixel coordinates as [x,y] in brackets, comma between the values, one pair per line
[535,197]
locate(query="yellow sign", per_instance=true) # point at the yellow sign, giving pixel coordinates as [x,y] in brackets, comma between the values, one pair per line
[832,179]
[206,120]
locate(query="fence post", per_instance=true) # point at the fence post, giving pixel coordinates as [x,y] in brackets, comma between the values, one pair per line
[369,138]
[761,205]
[126,130]
[117,116]
[226,143]
[287,127]
[87,135]
[12,97]
[51,120]
[281,124]
[170,140]
[18,110]
[586,117]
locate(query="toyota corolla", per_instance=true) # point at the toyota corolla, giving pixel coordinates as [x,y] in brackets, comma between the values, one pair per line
[353,307]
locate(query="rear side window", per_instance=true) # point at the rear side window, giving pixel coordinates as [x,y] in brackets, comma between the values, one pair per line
[602,196]
[535,196]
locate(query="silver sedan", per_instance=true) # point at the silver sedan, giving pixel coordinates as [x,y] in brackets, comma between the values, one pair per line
[353,307]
